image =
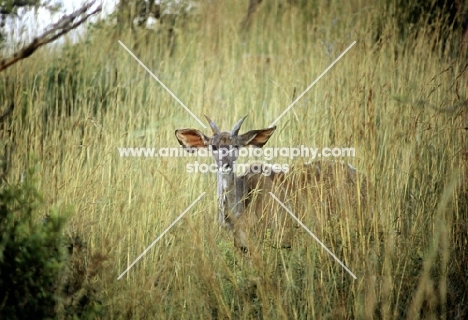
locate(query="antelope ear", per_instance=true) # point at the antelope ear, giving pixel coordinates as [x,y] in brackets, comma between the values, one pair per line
[191,138]
[256,138]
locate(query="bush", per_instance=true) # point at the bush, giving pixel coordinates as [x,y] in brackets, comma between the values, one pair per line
[42,271]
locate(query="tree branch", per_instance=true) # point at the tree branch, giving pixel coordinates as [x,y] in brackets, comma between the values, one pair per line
[55,31]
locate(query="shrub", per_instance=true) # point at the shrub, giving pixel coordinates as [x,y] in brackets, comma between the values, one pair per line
[43,273]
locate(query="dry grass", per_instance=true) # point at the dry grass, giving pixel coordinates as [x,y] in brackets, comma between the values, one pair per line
[398,103]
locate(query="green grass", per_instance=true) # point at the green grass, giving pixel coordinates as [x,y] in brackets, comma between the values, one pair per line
[396,102]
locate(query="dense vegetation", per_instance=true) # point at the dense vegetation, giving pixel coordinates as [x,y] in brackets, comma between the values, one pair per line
[399,96]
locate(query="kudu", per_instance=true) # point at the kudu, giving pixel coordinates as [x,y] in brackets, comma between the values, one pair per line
[244,203]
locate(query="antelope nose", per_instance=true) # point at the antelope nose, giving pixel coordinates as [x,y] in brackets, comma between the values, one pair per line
[225,168]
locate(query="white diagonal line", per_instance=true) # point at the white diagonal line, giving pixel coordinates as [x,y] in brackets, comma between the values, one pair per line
[162,234]
[313,235]
[162,84]
[313,83]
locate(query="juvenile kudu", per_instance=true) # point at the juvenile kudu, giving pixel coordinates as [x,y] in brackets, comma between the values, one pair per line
[244,203]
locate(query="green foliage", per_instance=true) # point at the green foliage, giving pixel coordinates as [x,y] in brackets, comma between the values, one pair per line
[31,255]
[39,277]
[428,12]
[10,9]
[443,18]
[11,6]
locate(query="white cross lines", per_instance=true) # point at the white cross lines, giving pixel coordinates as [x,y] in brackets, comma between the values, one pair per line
[162,84]
[313,235]
[272,124]
[162,234]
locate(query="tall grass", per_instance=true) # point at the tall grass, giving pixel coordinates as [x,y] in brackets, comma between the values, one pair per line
[399,103]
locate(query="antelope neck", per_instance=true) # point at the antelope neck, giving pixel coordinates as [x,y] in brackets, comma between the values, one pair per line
[230,195]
